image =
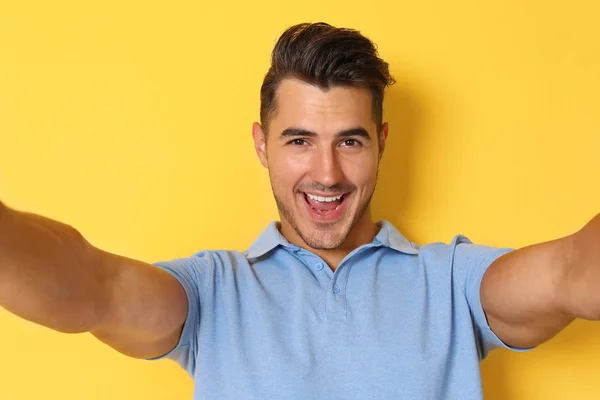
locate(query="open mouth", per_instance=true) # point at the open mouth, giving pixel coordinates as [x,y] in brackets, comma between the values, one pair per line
[325,207]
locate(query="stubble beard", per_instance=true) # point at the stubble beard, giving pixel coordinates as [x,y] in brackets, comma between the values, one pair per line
[322,241]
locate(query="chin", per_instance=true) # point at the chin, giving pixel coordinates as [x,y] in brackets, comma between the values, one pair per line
[315,232]
[324,236]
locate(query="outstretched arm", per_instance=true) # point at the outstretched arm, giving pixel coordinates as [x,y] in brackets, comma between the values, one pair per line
[50,275]
[531,294]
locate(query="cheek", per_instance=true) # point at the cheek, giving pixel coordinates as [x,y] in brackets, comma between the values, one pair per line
[286,172]
[361,172]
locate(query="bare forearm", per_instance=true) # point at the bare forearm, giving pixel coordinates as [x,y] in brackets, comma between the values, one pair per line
[583,282]
[46,272]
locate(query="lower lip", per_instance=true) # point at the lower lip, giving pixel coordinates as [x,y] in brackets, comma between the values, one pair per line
[330,216]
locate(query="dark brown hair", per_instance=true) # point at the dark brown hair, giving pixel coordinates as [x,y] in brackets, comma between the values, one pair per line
[325,56]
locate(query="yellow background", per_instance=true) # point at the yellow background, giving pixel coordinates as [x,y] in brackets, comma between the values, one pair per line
[131,121]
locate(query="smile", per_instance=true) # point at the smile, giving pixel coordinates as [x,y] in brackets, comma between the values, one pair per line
[321,199]
[325,208]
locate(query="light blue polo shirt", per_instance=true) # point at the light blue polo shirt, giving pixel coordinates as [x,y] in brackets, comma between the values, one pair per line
[394,321]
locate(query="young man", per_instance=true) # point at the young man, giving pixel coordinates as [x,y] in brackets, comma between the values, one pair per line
[326,303]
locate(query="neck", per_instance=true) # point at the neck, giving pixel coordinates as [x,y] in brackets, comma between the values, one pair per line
[362,233]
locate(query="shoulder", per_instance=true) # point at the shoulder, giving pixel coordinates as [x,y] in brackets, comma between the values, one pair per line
[460,255]
[461,248]
[204,263]
[438,254]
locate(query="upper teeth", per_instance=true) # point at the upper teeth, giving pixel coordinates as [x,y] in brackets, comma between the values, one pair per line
[324,199]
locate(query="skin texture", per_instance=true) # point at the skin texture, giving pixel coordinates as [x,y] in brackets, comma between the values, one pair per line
[322,157]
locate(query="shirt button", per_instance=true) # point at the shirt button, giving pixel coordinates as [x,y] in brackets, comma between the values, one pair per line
[336,289]
[319,266]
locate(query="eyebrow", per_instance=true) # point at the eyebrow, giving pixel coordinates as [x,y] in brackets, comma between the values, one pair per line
[295,132]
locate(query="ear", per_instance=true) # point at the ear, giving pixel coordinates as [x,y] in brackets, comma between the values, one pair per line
[382,138]
[260,144]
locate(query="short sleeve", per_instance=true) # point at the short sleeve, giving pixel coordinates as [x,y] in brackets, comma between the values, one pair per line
[193,273]
[470,263]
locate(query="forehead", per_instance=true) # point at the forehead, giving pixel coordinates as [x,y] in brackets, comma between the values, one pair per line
[303,105]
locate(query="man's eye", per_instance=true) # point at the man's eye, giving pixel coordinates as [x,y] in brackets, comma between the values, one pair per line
[351,143]
[298,142]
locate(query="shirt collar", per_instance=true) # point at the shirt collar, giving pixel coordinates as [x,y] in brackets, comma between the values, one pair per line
[267,241]
[388,236]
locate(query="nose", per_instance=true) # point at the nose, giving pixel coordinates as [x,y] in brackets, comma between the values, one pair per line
[326,168]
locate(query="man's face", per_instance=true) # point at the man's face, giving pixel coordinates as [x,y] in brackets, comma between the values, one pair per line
[322,152]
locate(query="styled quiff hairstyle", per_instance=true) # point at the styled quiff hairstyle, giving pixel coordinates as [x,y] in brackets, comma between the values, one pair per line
[325,56]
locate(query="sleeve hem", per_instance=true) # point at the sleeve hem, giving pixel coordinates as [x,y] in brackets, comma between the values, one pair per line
[188,323]
[481,317]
